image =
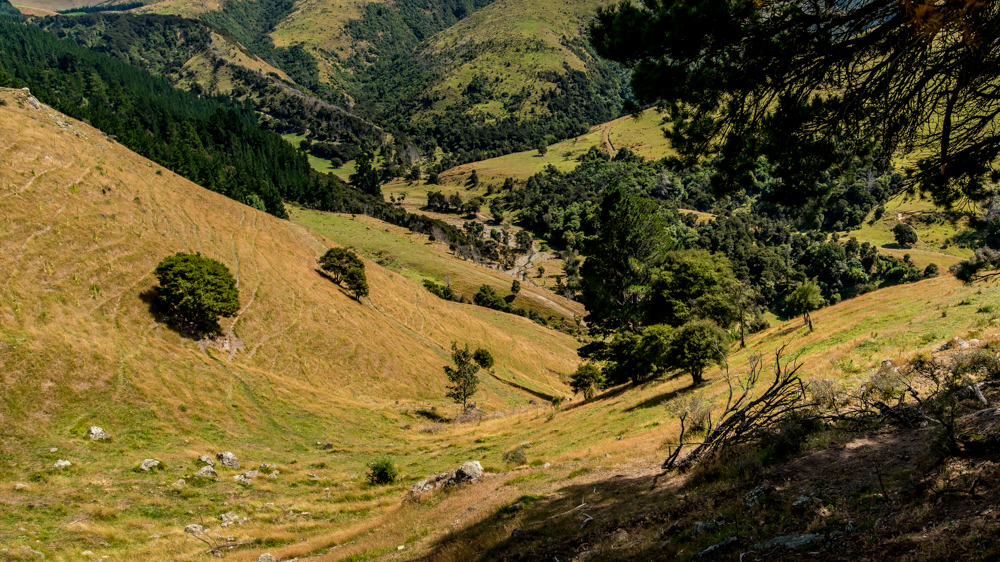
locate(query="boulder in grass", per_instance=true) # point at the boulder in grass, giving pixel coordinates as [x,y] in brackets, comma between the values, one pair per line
[97,434]
[207,460]
[228,460]
[150,464]
[469,472]
[206,472]
[61,464]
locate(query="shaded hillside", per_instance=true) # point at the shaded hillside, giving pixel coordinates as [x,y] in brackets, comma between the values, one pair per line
[195,56]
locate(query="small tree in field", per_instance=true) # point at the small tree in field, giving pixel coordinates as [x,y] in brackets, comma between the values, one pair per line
[338,261]
[197,290]
[345,266]
[357,281]
[463,378]
[697,345]
[484,359]
[905,236]
[804,298]
[587,380]
[515,287]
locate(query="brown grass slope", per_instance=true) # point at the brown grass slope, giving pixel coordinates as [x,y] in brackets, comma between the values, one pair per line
[84,223]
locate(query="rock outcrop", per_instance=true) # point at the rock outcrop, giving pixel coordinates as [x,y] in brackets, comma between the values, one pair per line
[228,460]
[97,434]
[469,472]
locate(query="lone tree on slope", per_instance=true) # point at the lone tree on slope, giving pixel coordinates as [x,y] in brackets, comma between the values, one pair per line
[587,380]
[697,345]
[344,265]
[484,359]
[905,235]
[463,378]
[197,290]
[804,298]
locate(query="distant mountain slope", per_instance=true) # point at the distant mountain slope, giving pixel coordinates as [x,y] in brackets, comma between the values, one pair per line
[477,78]
[85,221]
[198,57]
[511,75]
[506,56]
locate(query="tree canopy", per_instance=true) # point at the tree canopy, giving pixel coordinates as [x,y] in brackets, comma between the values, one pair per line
[809,85]
[197,290]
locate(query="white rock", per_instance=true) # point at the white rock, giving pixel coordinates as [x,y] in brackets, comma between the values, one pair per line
[266,558]
[469,472]
[148,464]
[193,528]
[207,460]
[54,450]
[206,472]
[60,464]
[228,460]
[97,434]
[21,487]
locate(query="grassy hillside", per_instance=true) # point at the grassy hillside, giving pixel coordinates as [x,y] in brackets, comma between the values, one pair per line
[54,5]
[643,136]
[936,234]
[509,47]
[417,258]
[85,222]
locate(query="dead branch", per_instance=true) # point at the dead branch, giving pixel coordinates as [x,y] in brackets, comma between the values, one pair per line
[744,418]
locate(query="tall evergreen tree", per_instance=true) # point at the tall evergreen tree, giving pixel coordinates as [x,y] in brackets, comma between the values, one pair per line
[811,84]
[616,276]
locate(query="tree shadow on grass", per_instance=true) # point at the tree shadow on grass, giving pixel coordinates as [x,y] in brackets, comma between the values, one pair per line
[658,400]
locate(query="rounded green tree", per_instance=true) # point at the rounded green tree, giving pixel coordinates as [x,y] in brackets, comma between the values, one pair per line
[905,236]
[484,358]
[697,345]
[338,261]
[806,297]
[587,380]
[196,290]
[357,281]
